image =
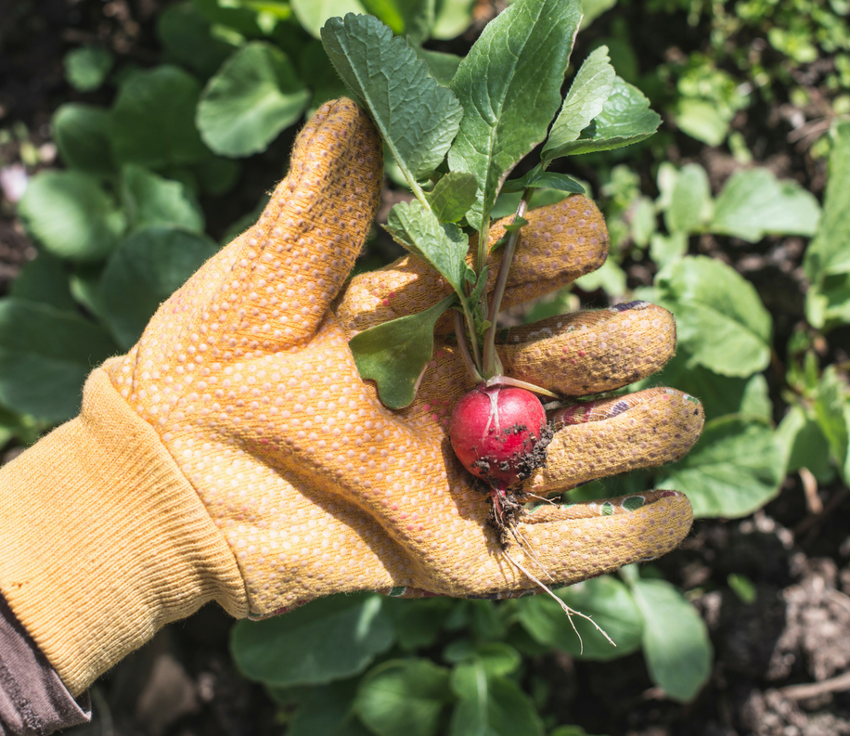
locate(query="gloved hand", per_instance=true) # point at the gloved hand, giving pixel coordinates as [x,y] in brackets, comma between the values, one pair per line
[234,453]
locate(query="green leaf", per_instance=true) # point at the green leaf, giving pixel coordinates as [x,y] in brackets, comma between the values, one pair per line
[510,87]
[804,445]
[150,199]
[827,259]
[328,639]
[592,86]
[828,303]
[539,179]
[828,252]
[441,66]
[44,280]
[403,698]
[188,40]
[518,223]
[675,639]
[719,394]
[720,319]
[496,657]
[735,468]
[690,203]
[667,249]
[625,119]
[832,411]
[410,18]
[153,119]
[81,133]
[743,587]
[71,215]
[606,599]
[393,83]
[417,622]
[313,14]
[441,245]
[490,705]
[609,277]
[451,18]
[86,67]
[395,354]
[592,9]
[232,20]
[701,119]
[754,203]
[571,730]
[327,710]
[45,356]
[254,96]
[146,269]
[452,196]
[643,221]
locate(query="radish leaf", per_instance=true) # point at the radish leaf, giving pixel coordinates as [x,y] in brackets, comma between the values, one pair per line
[441,245]
[394,354]
[537,178]
[510,88]
[330,639]
[588,93]
[417,118]
[625,119]
[754,203]
[490,704]
[452,196]
[827,259]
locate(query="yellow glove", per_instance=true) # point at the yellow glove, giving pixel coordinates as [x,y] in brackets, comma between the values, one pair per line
[235,455]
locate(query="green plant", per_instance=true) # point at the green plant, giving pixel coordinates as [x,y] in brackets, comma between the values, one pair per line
[125,223]
[387,666]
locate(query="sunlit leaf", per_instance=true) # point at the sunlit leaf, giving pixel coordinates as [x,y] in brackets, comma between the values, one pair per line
[510,88]
[676,646]
[417,118]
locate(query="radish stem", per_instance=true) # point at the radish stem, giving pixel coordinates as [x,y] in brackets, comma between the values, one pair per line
[490,357]
[464,349]
[501,380]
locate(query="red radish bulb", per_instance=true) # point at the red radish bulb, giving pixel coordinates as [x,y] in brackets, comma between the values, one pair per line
[494,431]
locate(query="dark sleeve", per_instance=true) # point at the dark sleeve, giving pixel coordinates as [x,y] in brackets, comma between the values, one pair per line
[33,700]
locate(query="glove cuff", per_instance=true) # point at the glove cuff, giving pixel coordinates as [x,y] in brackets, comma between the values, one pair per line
[103,540]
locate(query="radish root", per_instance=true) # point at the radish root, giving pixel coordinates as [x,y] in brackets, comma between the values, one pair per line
[569,611]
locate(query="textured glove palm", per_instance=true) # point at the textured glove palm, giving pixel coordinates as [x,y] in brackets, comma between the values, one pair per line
[318,488]
[234,453]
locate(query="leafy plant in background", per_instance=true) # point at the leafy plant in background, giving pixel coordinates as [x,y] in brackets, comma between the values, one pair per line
[816,429]
[748,51]
[122,226]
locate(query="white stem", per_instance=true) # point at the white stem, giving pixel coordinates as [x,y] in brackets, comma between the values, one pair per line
[508,381]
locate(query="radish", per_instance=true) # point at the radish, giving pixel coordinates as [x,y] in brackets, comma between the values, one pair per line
[500,434]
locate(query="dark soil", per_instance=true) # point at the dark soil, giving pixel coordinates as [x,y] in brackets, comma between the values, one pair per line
[781,660]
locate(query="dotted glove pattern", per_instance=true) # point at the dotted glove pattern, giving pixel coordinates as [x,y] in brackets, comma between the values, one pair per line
[246,375]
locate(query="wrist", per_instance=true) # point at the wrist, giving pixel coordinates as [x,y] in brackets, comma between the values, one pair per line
[105,541]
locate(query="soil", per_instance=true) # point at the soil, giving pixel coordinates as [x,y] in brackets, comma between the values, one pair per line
[781,660]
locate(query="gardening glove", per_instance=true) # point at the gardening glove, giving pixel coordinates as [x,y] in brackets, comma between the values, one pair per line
[234,454]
